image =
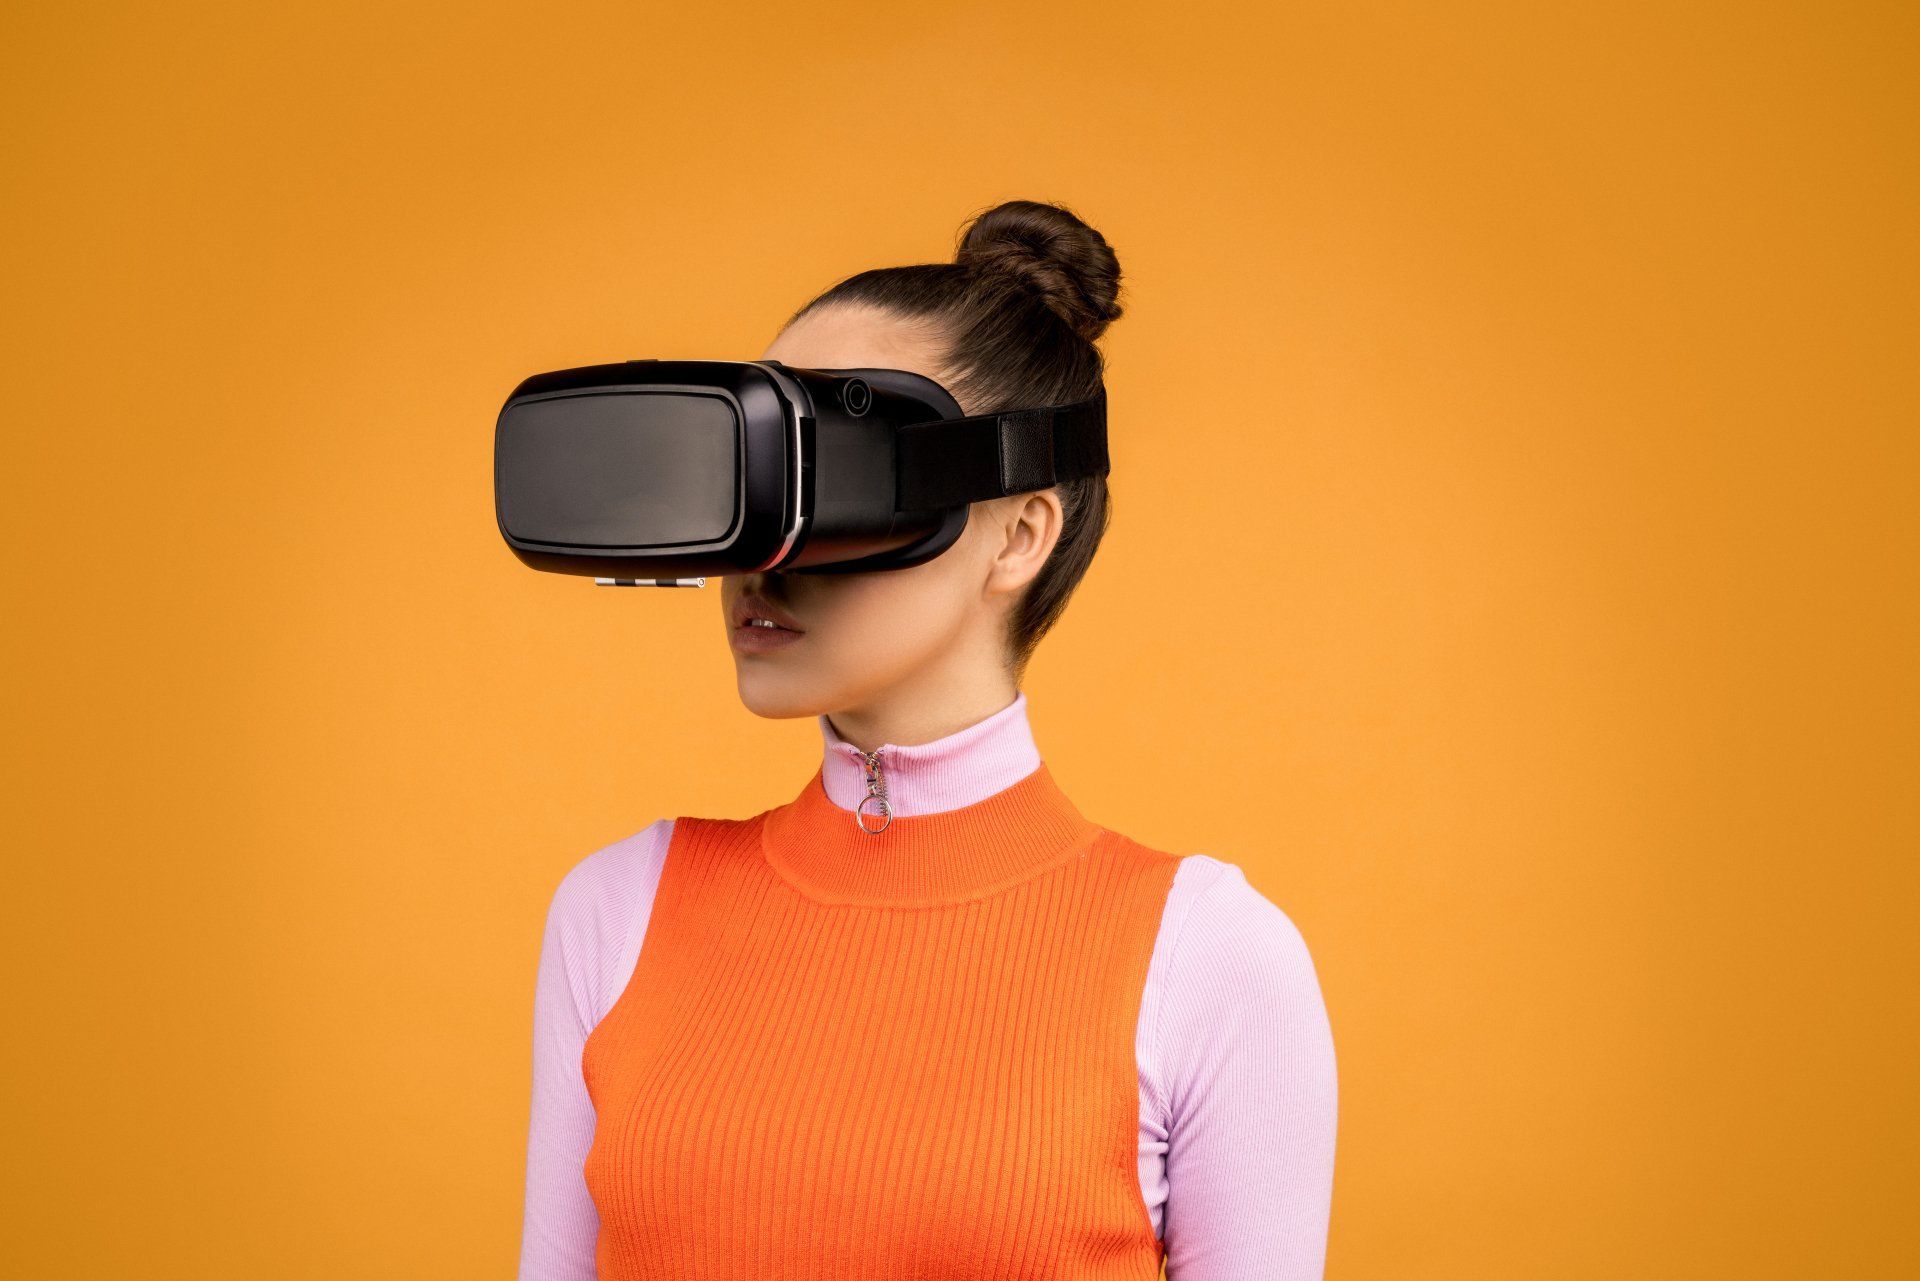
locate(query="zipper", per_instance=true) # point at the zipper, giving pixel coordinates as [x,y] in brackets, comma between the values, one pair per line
[876,791]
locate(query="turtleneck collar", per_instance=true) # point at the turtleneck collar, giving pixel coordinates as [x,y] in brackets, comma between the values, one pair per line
[972,813]
[967,765]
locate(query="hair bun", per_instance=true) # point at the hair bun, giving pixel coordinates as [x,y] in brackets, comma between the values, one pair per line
[1054,253]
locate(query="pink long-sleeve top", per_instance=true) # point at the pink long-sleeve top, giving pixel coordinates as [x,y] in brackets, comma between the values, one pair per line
[1238,1094]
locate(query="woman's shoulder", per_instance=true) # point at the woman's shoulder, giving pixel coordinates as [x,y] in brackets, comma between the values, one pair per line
[1213,914]
[597,914]
[1236,996]
[602,889]
[1222,933]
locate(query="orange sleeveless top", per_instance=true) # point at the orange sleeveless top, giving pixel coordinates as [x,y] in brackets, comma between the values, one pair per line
[893,1055]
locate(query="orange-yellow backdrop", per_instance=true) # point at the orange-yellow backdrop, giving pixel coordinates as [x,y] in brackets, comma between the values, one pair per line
[1512,571]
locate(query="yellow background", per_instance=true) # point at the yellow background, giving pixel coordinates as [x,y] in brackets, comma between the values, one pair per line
[1512,570]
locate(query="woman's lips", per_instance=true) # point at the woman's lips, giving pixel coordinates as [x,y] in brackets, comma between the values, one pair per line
[749,638]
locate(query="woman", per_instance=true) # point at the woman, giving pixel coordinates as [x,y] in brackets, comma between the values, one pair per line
[927,1019]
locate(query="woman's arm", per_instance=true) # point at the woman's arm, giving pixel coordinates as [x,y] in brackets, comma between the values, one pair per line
[592,935]
[1250,1093]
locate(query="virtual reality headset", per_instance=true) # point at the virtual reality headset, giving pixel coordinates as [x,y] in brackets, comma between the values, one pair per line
[660,472]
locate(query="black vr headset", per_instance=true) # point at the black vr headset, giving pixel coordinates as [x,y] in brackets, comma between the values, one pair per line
[659,472]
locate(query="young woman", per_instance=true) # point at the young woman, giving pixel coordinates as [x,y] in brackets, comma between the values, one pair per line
[926,1019]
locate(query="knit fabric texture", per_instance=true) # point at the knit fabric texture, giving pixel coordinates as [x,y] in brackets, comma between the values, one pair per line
[899,1054]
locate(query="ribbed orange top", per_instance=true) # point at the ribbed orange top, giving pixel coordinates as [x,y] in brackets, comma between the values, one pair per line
[893,1055]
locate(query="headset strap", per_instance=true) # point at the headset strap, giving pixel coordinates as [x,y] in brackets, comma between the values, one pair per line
[966,460]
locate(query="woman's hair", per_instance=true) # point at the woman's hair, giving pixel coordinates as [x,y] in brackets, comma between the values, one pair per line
[1030,289]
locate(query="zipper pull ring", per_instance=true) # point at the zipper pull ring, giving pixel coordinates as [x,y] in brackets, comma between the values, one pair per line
[876,791]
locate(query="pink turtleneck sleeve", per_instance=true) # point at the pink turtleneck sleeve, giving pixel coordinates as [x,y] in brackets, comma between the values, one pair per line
[1238,1091]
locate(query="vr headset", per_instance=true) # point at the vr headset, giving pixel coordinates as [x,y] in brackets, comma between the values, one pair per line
[660,472]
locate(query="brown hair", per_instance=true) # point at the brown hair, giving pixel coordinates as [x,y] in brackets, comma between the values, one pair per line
[1030,289]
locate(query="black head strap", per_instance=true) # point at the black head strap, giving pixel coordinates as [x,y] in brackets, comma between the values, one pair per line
[966,460]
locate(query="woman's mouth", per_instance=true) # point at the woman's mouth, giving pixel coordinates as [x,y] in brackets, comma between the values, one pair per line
[761,636]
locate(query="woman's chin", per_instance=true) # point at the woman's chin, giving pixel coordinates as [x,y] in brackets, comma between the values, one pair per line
[778,695]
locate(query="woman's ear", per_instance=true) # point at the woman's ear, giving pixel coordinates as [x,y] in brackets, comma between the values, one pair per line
[1027,526]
